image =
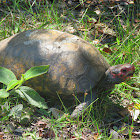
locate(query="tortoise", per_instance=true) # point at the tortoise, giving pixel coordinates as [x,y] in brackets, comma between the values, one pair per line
[76,66]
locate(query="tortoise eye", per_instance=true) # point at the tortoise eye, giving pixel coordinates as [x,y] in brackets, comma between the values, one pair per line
[123,70]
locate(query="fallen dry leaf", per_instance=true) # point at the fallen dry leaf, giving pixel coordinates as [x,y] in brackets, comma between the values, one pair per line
[1,135]
[82,29]
[96,136]
[49,134]
[96,41]
[134,113]
[107,50]
[133,110]
[137,21]
[41,124]
[136,132]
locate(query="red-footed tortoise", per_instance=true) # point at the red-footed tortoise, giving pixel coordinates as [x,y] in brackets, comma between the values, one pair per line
[75,65]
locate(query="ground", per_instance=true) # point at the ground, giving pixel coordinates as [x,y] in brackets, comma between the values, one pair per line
[114,28]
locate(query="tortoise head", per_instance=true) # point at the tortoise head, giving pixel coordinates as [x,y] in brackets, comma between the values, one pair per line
[119,73]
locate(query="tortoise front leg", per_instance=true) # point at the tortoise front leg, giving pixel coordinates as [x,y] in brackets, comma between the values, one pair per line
[81,108]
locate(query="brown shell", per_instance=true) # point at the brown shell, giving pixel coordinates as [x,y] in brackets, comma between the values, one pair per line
[75,65]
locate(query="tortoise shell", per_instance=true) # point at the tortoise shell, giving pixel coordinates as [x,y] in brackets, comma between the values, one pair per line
[75,65]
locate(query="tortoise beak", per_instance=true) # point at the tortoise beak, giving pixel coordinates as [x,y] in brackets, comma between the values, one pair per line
[130,71]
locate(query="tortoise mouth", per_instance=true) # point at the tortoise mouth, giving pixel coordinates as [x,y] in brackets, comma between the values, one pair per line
[129,74]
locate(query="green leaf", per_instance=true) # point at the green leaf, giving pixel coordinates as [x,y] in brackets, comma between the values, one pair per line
[16,111]
[3,93]
[36,71]
[12,84]
[6,75]
[32,97]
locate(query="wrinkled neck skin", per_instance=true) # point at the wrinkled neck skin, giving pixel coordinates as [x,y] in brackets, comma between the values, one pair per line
[106,83]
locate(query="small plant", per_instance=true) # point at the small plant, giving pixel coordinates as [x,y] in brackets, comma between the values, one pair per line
[14,86]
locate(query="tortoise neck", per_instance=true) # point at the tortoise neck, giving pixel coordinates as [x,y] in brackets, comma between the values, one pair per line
[106,83]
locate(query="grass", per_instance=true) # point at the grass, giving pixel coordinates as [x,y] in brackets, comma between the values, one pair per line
[125,48]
